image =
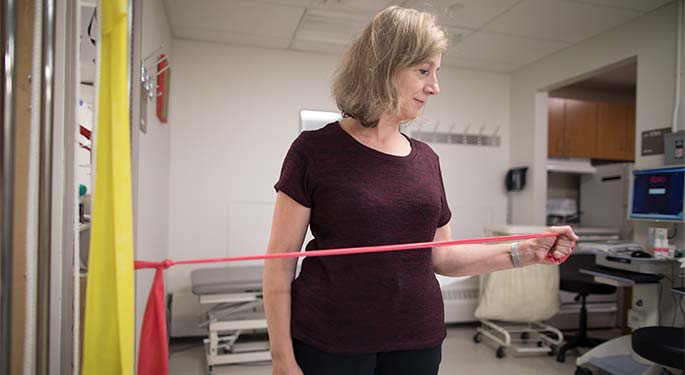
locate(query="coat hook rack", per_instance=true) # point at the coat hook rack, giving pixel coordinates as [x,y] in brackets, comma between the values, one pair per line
[435,131]
[482,138]
[451,132]
[151,67]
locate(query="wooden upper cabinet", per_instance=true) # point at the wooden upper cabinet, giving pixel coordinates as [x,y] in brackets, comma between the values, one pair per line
[586,129]
[580,138]
[555,138]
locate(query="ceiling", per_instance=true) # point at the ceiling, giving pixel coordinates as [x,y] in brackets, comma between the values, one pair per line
[619,78]
[489,35]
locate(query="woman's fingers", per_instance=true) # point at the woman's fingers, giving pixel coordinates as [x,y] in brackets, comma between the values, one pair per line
[564,243]
[562,248]
[559,247]
[565,231]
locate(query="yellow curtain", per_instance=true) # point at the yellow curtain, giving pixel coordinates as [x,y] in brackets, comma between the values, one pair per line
[109,328]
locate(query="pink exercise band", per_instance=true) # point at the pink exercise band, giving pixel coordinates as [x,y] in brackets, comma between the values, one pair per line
[153,354]
[139,264]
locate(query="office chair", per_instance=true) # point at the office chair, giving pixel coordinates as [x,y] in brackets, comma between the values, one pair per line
[571,280]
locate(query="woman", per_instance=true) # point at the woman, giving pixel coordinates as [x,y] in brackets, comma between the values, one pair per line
[361,182]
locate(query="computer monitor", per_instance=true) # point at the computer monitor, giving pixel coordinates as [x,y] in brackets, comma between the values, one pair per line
[657,194]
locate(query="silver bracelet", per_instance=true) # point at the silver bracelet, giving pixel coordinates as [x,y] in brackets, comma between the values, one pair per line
[514,251]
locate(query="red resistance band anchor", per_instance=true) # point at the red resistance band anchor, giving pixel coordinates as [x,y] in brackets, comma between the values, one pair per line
[153,354]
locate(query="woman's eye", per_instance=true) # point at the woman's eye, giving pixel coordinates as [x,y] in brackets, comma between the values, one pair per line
[423,72]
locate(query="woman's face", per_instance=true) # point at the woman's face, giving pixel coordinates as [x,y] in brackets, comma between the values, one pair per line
[414,84]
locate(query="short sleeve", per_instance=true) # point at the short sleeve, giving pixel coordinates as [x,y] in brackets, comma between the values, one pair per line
[445,213]
[294,178]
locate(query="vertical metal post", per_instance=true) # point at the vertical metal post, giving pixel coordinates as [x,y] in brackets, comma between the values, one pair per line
[45,188]
[7,155]
[137,104]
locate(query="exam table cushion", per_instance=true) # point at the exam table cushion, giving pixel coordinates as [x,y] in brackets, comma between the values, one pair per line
[226,280]
[663,345]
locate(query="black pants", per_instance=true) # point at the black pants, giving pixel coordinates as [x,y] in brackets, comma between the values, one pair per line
[405,362]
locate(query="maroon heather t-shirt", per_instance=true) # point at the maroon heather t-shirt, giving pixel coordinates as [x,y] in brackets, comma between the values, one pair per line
[366,303]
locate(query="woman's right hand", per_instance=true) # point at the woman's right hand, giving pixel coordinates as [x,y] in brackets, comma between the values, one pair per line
[283,367]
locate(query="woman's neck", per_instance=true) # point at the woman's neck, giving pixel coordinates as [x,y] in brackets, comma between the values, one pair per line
[384,137]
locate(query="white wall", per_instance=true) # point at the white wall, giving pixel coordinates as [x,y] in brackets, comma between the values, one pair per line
[651,38]
[595,94]
[234,113]
[152,194]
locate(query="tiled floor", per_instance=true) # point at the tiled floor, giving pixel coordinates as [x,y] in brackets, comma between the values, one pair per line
[460,356]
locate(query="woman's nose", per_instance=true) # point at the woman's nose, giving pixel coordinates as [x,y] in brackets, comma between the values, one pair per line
[433,88]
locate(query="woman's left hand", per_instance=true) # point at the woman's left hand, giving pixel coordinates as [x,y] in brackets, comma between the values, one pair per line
[550,250]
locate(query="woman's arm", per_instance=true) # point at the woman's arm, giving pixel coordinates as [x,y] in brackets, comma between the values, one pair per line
[465,260]
[288,229]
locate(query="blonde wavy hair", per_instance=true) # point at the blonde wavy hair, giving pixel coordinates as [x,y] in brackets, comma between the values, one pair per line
[396,38]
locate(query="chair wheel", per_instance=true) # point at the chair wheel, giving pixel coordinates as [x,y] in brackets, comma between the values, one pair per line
[582,371]
[500,352]
[561,357]
[477,338]
[553,351]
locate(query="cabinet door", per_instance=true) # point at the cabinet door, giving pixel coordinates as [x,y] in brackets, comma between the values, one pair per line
[615,131]
[555,135]
[612,131]
[580,129]
[630,136]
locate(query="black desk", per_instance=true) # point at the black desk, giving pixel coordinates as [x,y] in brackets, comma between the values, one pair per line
[621,276]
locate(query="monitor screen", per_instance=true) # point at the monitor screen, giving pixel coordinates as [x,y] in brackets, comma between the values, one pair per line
[657,194]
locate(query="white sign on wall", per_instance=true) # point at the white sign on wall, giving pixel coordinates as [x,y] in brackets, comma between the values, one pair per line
[312,120]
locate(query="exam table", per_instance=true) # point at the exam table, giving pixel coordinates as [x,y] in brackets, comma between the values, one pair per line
[236,293]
